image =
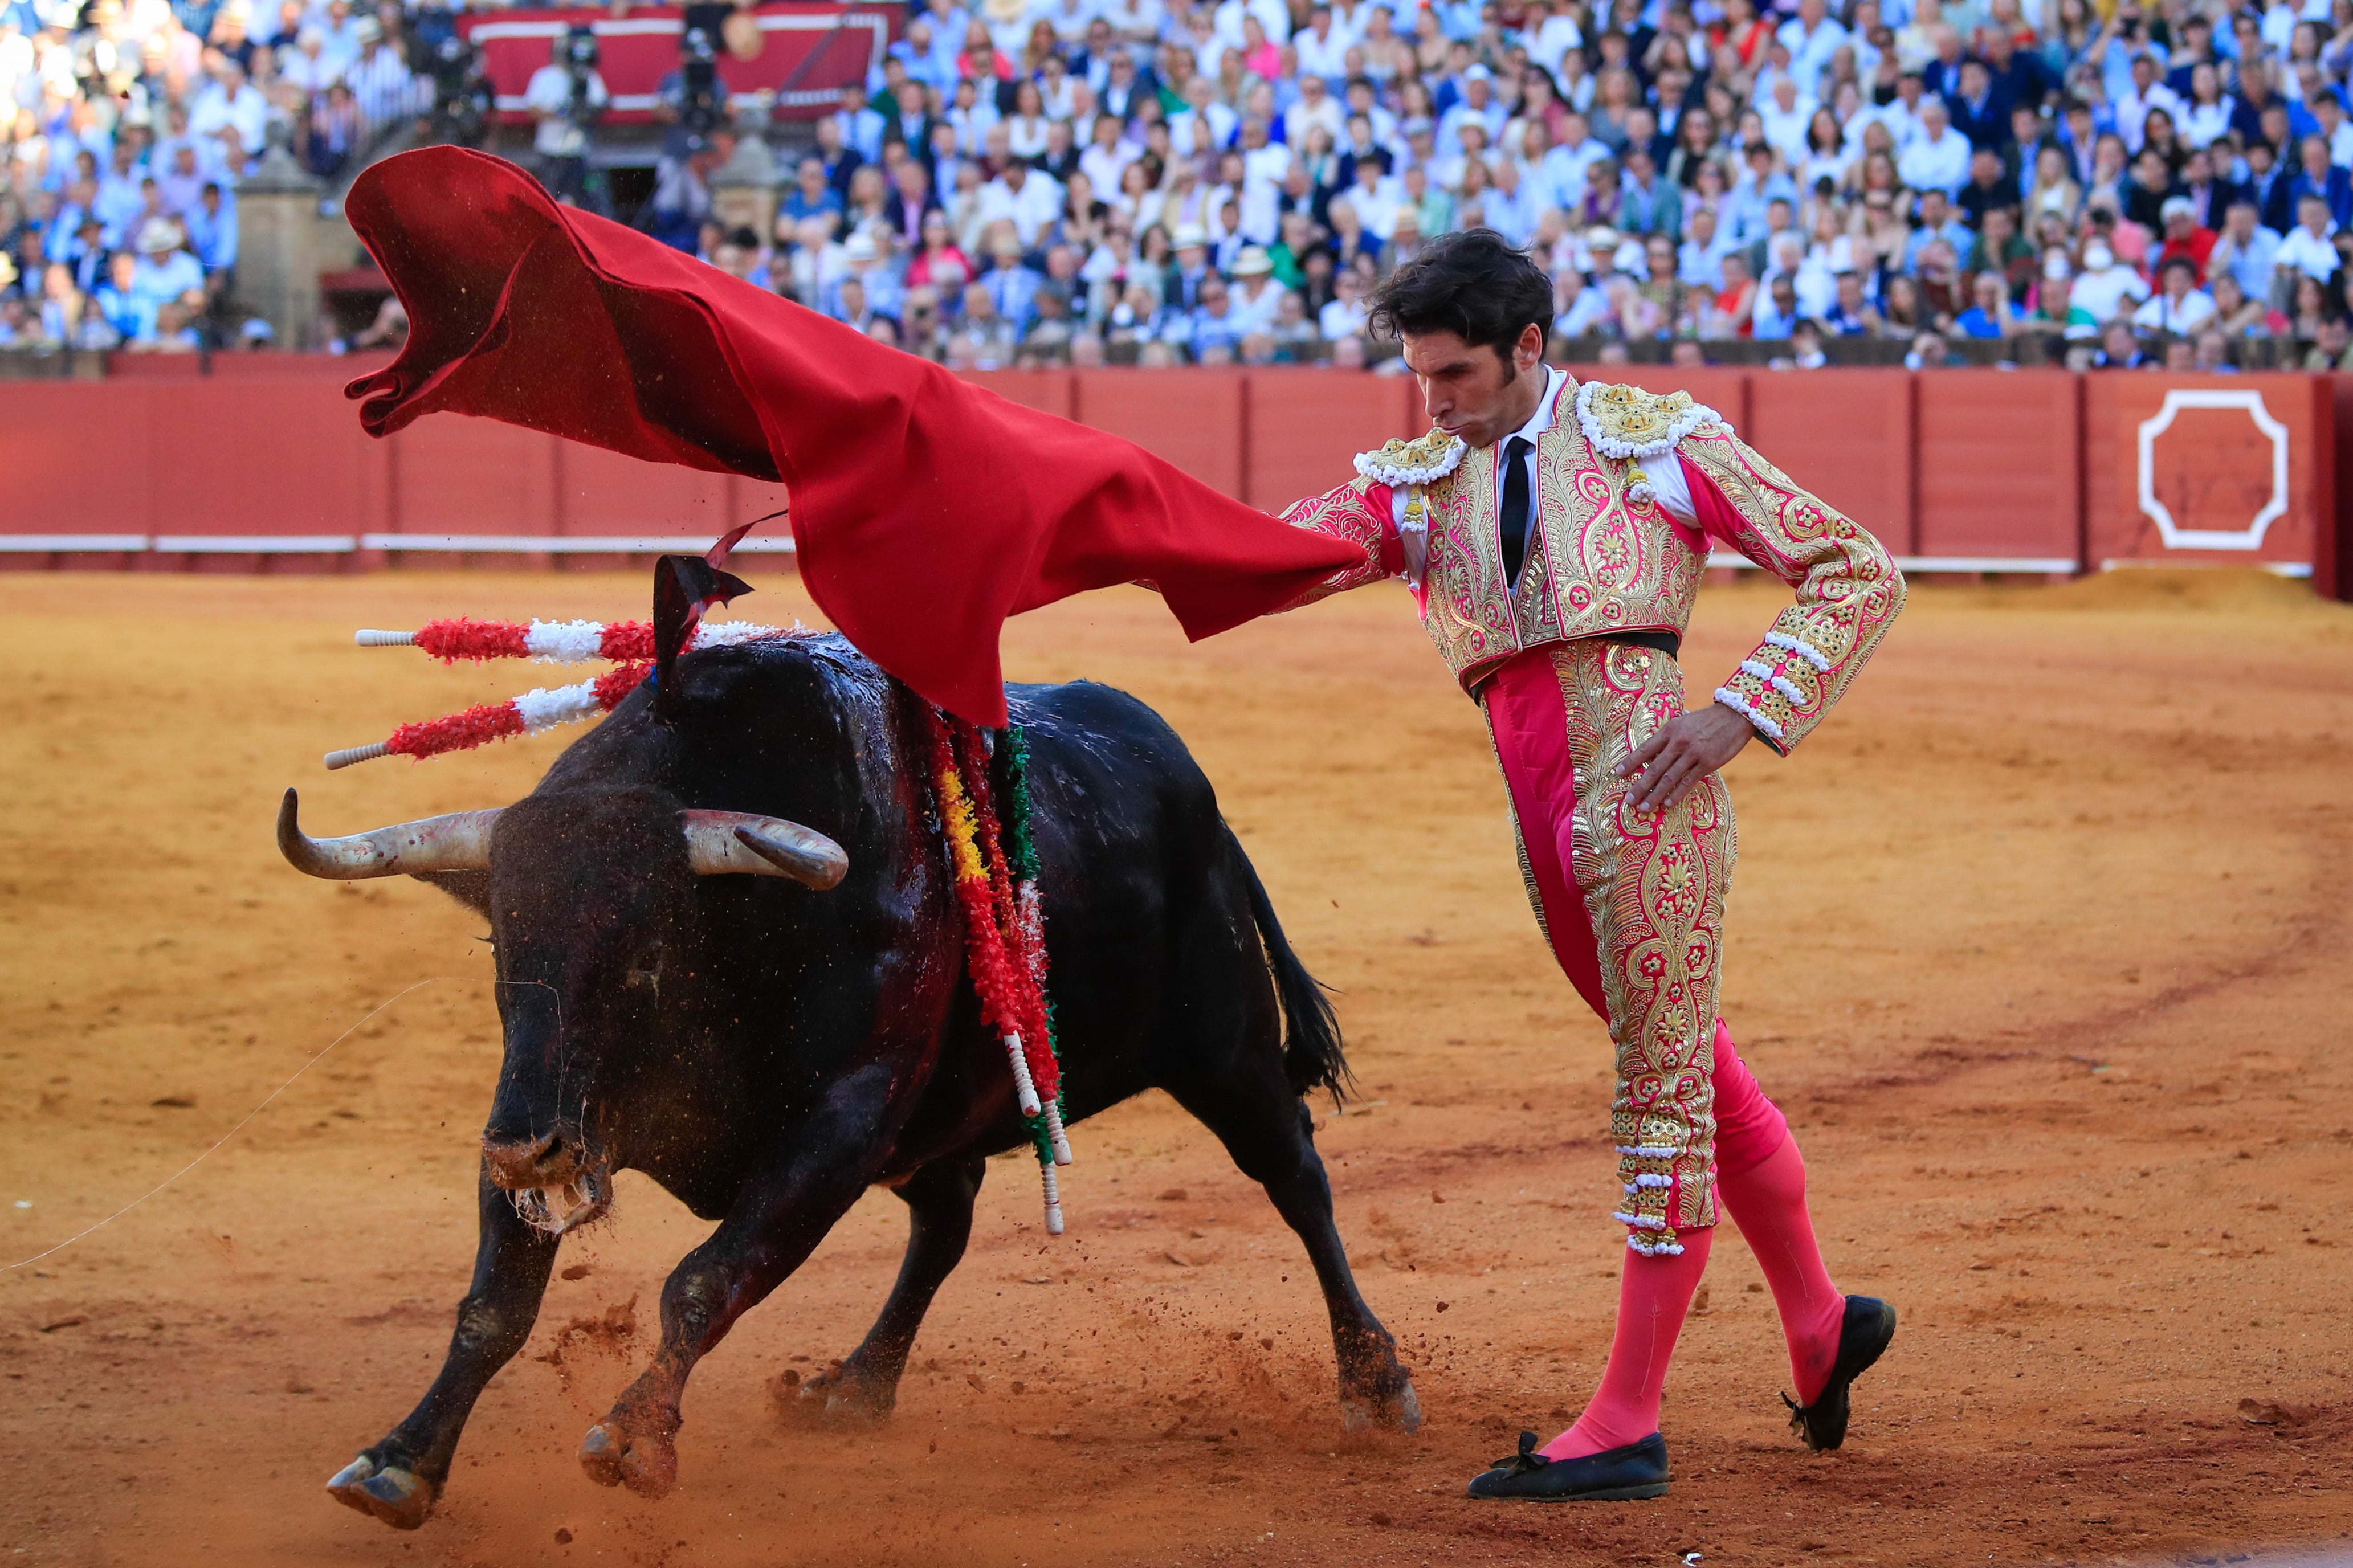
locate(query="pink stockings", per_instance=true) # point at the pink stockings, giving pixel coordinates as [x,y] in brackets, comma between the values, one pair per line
[1653,1297]
[1766,1196]
[1556,714]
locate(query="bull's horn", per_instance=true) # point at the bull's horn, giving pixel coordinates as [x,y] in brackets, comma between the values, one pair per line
[459,841]
[718,842]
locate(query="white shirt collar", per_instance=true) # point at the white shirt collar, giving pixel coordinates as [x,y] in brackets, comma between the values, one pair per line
[1541,420]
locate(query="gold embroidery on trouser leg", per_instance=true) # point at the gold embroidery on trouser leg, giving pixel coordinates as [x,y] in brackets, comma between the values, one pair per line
[1654,888]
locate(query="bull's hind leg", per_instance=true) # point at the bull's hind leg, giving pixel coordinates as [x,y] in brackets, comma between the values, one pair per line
[1267,1129]
[939,1223]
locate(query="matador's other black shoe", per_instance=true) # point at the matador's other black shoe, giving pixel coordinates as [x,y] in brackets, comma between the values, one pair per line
[1614,1475]
[1870,1324]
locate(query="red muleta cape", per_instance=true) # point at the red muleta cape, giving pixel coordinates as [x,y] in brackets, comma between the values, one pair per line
[925,510]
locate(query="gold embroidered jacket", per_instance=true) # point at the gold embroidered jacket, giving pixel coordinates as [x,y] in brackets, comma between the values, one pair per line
[1604,556]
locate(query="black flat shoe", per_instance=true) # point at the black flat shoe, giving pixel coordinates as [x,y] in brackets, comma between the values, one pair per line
[1870,1324]
[1636,1470]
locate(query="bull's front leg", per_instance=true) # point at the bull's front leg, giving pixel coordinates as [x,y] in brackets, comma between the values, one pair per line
[819,1166]
[399,1480]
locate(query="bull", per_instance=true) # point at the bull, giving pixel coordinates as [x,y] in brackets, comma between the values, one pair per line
[729,956]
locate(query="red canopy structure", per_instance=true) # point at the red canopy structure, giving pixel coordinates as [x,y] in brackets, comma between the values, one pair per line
[925,510]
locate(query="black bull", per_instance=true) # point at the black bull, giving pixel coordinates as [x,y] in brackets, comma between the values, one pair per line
[766,1051]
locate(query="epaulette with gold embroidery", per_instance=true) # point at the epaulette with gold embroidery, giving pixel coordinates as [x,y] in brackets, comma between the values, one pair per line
[1627,422]
[1423,460]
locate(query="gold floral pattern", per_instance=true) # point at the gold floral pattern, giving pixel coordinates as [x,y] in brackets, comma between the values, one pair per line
[1848,589]
[1653,888]
[1350,513]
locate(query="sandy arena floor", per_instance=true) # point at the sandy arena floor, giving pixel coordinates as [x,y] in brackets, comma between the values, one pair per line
[2038,942]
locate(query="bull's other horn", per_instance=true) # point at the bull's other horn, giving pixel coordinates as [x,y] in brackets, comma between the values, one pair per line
[718,842]
[459,841]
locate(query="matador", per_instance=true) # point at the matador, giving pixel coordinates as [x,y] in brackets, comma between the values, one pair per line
[1555,535]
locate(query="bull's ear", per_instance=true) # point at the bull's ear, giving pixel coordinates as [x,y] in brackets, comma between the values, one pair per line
[684,586]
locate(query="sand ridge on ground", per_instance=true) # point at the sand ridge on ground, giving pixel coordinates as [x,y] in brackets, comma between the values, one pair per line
[2041,941]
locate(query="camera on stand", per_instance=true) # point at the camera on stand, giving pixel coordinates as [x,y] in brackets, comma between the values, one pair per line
[699,110]
[581,53]
[462,95]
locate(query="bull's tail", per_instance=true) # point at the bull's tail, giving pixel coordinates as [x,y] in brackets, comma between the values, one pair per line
[1312,1057]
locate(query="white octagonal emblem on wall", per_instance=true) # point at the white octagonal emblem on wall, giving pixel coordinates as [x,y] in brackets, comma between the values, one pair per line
[2179,538]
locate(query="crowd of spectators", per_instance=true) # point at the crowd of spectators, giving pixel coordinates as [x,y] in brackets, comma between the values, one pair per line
[1214,181]
[1223,180]
[125,126]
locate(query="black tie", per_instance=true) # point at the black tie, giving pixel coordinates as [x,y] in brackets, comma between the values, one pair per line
[1516,505]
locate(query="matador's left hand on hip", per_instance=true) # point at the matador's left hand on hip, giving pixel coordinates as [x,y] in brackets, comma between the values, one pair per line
[1672,762]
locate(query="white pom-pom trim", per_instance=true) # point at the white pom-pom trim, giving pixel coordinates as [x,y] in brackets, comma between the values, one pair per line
[1802,648]
[1651,1150]
[1741,705]
[1776,679]
[542,709]
[563,642]
[1641,1221]
[1689,420]
[1371,465]
[1654,1248]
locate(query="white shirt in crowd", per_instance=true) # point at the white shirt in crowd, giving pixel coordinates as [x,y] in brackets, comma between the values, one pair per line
[2315,255]
[551,90]
[2179,317]
[1941,160]
[1032,207]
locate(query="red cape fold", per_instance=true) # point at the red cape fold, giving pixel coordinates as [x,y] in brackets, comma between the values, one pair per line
[925,510]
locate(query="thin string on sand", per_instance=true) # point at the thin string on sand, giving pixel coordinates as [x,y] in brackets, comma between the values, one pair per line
[225,1137]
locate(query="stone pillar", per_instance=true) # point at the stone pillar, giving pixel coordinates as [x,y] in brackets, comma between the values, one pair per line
[284,243]
[744,189]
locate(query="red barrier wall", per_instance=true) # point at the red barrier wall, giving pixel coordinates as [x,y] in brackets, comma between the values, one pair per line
[1197,423]
[1957,469]
[1999,458]
[2218,470]
[1306,426]
[1846,437]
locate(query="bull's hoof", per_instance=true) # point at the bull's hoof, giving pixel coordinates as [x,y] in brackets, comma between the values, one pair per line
[615,1456]
[841,1397]
[1398,1410]
[402,1499]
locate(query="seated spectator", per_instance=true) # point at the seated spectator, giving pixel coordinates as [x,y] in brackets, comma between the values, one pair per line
[2235,315]
[1989,315]
[2212,356]
[1775,316]
[1851,315]
[162,270]
[1345,315]
[1930,352]
[129,314]
[2121,349]
[812,193]
[2180,308]
[1051,328]
[2106,284]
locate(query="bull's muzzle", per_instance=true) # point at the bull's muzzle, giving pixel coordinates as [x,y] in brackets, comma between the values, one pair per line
[554,1183]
